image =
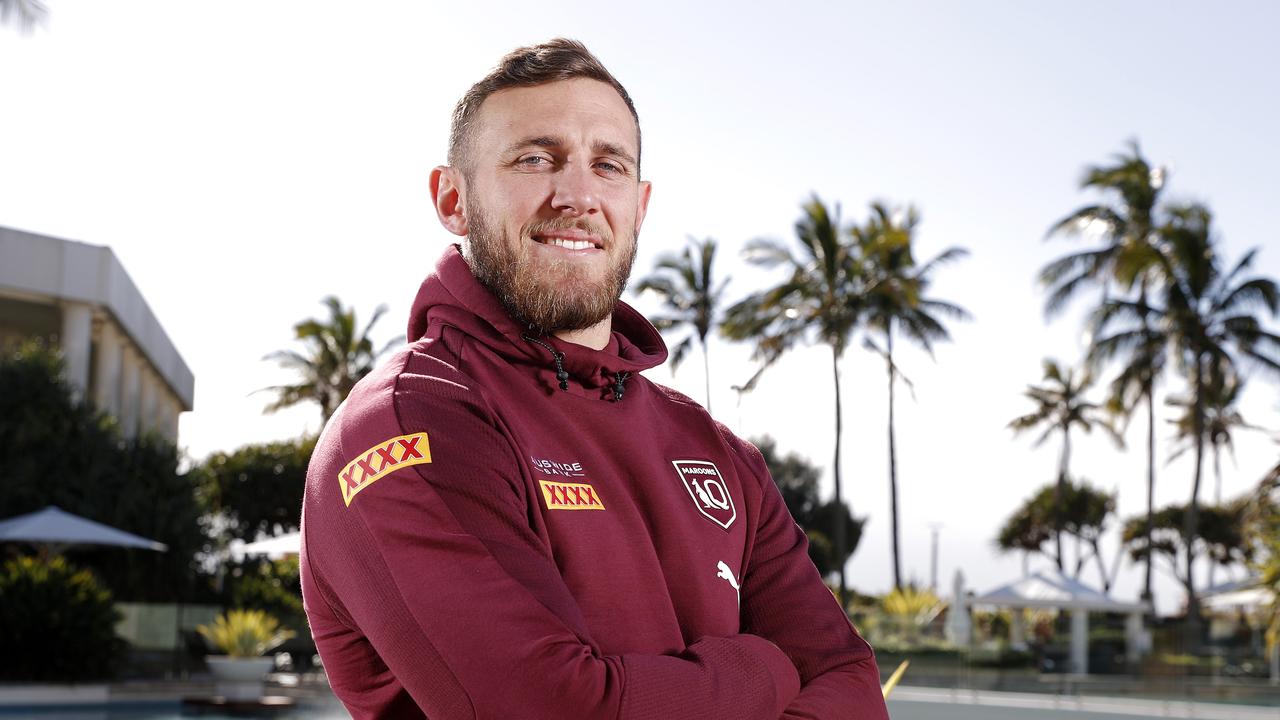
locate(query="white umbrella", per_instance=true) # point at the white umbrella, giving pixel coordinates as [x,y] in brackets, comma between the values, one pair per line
[52,527]
[273,547]
[1247,598]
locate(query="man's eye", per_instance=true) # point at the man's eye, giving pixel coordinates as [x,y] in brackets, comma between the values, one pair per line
[534,161]
[610,167]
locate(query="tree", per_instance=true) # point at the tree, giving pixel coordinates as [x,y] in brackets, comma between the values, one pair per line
[334,360]
[1060,406]
[1082,513]
[57,450]
[1221,538]
[691,298]
[1262,531]
[256,490]
[1126,222]
[1221,417]
[797,481]
[821,300]
[1209,320]
[895,300]
[26,14]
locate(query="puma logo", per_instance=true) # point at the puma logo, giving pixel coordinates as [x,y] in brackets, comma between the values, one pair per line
[727,574]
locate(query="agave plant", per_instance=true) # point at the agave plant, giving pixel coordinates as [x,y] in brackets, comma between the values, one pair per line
[245,633]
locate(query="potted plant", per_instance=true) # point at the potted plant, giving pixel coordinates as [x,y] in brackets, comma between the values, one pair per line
[244,636]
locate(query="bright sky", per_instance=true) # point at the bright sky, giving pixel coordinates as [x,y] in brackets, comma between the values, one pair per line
[245,159]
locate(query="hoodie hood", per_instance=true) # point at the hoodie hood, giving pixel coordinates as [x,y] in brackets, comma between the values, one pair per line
[452,296]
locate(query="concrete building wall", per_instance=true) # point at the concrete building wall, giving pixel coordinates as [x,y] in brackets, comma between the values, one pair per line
[115,351]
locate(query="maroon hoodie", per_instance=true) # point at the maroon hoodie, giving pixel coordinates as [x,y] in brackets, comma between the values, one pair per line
[504,527]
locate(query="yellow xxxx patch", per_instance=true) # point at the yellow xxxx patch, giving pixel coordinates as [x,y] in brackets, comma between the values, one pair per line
[380,460]
[570,496]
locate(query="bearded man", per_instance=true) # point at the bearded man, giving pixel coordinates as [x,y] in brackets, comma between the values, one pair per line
[507,520]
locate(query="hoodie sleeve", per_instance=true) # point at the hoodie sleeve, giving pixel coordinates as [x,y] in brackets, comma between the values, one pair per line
[785,601]
[430,588]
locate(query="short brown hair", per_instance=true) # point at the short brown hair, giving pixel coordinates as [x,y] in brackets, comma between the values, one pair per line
[558,59]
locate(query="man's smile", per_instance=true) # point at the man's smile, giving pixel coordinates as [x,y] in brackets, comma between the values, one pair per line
[575,240]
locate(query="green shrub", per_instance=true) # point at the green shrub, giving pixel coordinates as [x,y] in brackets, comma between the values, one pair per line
[245,633]
[57,450]
[58,624]
[272,586]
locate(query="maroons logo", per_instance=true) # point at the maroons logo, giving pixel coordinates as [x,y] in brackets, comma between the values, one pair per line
[708,490]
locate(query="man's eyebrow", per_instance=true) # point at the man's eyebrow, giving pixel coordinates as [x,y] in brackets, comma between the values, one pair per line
[601,147]
[546,141]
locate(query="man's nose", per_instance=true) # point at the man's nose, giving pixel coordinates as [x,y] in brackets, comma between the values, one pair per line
[576,191]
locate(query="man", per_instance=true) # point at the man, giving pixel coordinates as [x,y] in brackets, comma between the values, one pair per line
[507,520]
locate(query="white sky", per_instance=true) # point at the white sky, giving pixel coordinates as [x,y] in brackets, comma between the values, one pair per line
[244,159]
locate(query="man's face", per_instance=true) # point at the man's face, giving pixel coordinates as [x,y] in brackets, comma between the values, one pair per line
[553,201]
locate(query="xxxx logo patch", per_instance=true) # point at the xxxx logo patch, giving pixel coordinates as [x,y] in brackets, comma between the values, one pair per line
[570,496]
[381,460]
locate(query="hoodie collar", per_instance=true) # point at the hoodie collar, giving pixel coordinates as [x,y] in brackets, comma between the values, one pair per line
[452,296]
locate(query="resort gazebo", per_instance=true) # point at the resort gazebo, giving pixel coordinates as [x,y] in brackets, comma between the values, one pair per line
[1055,591]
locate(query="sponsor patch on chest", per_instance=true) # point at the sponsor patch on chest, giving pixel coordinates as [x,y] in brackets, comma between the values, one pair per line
[708,490]
[381,460]
[570,496]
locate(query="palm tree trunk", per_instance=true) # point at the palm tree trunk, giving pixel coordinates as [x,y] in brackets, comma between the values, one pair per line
[1059,495]
[893,465]
[1102,567]
[838,537]
[1217,497]
[706,371]
[1191,521]
[1148,390]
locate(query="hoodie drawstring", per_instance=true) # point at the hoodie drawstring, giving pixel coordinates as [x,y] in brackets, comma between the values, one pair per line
[561,374]
[619,378]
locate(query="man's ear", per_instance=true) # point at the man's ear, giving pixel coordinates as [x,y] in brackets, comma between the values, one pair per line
[642,207]
[446,193]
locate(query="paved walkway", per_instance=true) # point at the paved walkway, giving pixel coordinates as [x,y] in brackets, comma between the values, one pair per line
[911,703]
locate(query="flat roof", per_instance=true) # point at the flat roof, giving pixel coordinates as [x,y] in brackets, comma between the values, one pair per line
[68,270]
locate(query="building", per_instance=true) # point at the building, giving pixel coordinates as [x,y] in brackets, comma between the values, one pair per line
[116,354]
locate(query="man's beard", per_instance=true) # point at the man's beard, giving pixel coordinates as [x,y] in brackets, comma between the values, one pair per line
[546,298]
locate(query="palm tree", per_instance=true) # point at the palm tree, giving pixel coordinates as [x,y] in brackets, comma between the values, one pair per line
[895,300]
[26,14]
[1208,319]
[685,284]
[1060,406]
[1212,324]
[1222,416]
[821,300]
[1126,223]
[334,360]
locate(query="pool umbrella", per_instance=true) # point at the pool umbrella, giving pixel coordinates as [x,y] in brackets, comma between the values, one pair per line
[53,529]
[278,546]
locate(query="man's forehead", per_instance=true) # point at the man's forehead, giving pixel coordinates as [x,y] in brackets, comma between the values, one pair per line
[564,110]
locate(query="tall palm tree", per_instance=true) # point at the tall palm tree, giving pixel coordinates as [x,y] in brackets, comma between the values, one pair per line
[686,285]
[1060,406]
[1209,320]
[1214,323]
[335,358]
[895,301]
[821,300]
[1126,223]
